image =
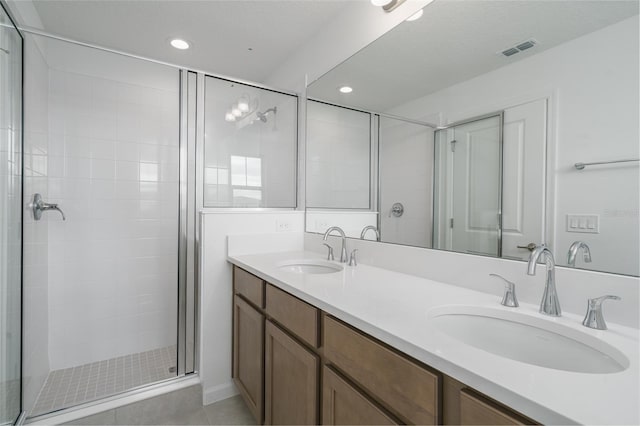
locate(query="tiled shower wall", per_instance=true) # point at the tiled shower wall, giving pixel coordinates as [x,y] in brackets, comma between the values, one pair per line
[113,169]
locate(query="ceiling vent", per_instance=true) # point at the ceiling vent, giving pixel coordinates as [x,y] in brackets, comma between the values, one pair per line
[528,44]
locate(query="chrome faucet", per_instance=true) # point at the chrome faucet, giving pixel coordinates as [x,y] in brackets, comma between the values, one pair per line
[573,252]
[594,318]
[343,252]
[550,305]
[509,297]
[367,228]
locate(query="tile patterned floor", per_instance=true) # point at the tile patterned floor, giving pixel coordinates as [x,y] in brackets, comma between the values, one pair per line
[76,385]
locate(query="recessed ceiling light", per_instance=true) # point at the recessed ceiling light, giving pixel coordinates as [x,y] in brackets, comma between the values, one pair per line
[415,16]
[345,89]
[380,2]
[179,44]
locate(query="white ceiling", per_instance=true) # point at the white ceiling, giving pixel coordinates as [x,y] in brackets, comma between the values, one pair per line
[455,41]
[221,32]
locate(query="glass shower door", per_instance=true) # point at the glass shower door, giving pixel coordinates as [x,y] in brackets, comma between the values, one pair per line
[10,219]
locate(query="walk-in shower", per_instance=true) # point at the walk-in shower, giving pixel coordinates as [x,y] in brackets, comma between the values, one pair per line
[104,212]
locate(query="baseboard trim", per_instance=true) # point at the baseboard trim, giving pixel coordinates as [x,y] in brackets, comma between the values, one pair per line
[218,393]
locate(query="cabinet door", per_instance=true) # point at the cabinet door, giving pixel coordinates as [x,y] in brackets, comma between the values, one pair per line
[248,353]
[476,410]
[342,404]
[291,380]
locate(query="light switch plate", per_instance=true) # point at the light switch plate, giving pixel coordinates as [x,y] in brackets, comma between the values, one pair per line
[583,223]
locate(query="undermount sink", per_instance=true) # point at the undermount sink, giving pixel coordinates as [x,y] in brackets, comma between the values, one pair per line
[307,266]
[527,339]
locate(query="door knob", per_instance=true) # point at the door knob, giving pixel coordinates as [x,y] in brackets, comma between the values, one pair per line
[530,246]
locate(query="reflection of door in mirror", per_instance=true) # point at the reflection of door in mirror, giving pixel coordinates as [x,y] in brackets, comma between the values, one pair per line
[469,195]
[523,185]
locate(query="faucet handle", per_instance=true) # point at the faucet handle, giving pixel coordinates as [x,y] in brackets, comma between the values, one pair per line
[352,258]
[330,252]
[509,297]
[594,318]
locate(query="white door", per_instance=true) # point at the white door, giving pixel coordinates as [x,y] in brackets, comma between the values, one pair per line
[523,202]
[476,187]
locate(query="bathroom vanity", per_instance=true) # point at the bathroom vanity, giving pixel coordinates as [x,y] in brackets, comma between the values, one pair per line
[359,346]
[295,364]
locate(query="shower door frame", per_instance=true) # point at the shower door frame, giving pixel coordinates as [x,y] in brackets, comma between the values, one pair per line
[21,414]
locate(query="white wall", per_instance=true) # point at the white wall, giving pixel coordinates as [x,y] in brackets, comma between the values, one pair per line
[216,286]
[593,87]
[35,234]
[113,169]
[406,176]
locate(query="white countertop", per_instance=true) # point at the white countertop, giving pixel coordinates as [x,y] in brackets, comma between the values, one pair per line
[394,308]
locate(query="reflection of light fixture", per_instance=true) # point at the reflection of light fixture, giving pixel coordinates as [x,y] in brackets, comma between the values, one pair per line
[179,44]
[387,5]
[415,16]
[243,108]
[345,89]
[243,103]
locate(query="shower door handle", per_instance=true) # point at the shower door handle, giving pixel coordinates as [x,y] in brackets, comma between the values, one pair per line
[38,206]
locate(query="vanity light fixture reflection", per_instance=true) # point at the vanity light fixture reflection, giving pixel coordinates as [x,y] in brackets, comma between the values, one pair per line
[243,103]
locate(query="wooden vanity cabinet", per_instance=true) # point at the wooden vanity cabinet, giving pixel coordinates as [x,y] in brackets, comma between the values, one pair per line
[291,380]
[294,364]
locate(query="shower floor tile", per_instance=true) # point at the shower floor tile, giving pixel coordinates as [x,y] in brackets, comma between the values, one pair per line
[88,382]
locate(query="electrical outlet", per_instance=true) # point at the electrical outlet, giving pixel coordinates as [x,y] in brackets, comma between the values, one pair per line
[583,223]
[283,226]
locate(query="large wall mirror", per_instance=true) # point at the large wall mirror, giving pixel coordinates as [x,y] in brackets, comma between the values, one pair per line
[487,127]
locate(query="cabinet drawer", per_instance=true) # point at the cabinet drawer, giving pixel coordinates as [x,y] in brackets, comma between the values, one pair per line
[248,286]
[401,385]
[342,404]
[294,314]
[476,410]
